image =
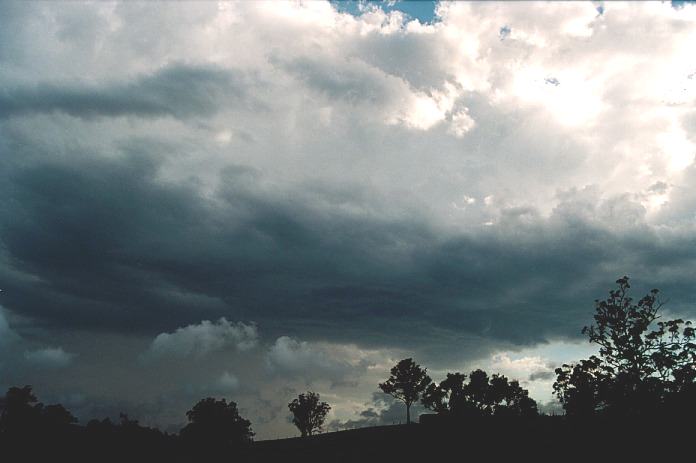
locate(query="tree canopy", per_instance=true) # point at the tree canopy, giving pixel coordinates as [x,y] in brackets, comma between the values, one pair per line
[646,365]
[481,395]
[406,383]
[216,422]
[308,413]
[21,411]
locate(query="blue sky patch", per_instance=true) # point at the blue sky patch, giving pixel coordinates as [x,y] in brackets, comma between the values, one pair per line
[424,11]
[680,3]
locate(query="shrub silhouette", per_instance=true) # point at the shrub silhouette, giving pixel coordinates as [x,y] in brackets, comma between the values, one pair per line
[646,366]
[406,383]
[480,396]
[308,413]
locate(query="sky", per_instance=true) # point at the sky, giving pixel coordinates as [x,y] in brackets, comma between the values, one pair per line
[250,200]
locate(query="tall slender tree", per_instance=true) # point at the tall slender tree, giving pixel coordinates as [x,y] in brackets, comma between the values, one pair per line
[407,383]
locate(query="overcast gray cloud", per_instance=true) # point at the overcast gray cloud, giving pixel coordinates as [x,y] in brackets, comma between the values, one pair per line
[269,196]
[50,357]
[7,334]
[179,91]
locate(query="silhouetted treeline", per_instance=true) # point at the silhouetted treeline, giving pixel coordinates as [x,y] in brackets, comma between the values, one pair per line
[30,431]
[459,396]
[635,399]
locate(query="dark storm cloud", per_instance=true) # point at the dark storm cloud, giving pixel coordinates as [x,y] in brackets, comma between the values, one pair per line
[107,240]
[178,90]
[111,246]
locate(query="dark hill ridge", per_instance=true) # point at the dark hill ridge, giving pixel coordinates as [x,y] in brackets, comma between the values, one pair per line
[544,439]
[415,442]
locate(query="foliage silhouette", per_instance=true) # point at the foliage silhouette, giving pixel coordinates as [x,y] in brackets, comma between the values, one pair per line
[581,387]
[480,396]
[646,366]
[57,415]
[23,413]
[308,413]
[406,383]
[20,410]
[216,423]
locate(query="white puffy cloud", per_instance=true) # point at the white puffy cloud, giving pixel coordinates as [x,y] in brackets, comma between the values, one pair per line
[203,338]
[319,360]
[567,98]
[521,366]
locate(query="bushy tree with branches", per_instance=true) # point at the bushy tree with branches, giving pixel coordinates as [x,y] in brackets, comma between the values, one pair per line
[581,387]
[216,423]
[644,363]
[308,413]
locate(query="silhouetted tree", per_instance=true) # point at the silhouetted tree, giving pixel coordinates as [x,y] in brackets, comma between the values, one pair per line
[406,383]
[308,413]
[581,387]
[643,363]
[216,422]
[444,397]
[480,396]
[21,410]
[32,431]
[57,415]
[104,426]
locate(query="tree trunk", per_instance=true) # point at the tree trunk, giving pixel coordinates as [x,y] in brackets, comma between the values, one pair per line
[408,413]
